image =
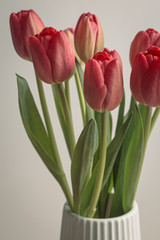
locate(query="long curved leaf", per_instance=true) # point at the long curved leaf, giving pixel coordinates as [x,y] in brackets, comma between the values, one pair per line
[82,158]
[130,153]
[121,112]
[133,163]
[34,126]
[154,118]
[80,71]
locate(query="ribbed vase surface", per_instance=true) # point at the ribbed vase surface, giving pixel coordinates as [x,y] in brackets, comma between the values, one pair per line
[126,227]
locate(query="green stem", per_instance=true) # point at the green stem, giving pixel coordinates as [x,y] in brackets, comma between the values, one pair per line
[76,204]
[62,180]
[146,136]
[81,96]
[68,119]
[48,121]
[67,92]
[109,205]
[101,167]
[154,118]
[147,128]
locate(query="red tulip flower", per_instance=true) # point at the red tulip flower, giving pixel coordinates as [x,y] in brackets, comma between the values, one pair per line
[52,55]
[23,25]
[88,36]
[103,81]
[145,77]
[142,41]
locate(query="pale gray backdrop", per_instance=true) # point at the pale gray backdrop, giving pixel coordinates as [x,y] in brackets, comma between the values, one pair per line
[30,199]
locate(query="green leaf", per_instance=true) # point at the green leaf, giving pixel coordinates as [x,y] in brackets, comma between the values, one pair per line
[87,193]
[98,121]
[112,152]
[82,159]
[154,118]
[131,107]
[130,156]
[119,123]
[143,111]
[121,113]
[133,163]
[80,71]
[104,197]
[121,118]
[34,126]
[89,113]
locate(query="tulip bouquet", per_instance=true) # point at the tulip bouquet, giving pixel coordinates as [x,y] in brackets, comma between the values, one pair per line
[105,169]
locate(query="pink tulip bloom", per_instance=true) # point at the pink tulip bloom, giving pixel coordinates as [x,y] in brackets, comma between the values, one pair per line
[142,41]
[103,81]
[88,37]
[52,55]
[23,25]
[145,77]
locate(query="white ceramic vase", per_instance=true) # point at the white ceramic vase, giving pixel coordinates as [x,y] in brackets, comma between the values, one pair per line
[125,227]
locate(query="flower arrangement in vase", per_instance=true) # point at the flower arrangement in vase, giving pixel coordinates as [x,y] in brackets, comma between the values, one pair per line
[105,169]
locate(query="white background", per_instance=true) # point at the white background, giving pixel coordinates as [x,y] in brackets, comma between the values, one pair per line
[30,199]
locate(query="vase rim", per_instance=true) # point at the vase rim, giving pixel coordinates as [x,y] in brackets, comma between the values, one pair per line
[132,212]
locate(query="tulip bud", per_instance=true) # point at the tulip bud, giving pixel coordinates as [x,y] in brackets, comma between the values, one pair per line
[103,81]
[52,55]
[145,77]
[23,25]
[70,34]
[142,41]
[88,37]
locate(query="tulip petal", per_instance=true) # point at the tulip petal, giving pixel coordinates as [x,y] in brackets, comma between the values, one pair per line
[40,60]
[157,42]
[153,35]
[151,84]
[94,88]
[17,35]
[99,46]
[31,24]
[85,36]
[140,67]
[61,56]
[114,82]
[34,23]
[137,46]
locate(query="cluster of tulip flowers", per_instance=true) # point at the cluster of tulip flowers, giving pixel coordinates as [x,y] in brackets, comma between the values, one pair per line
[105,170]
